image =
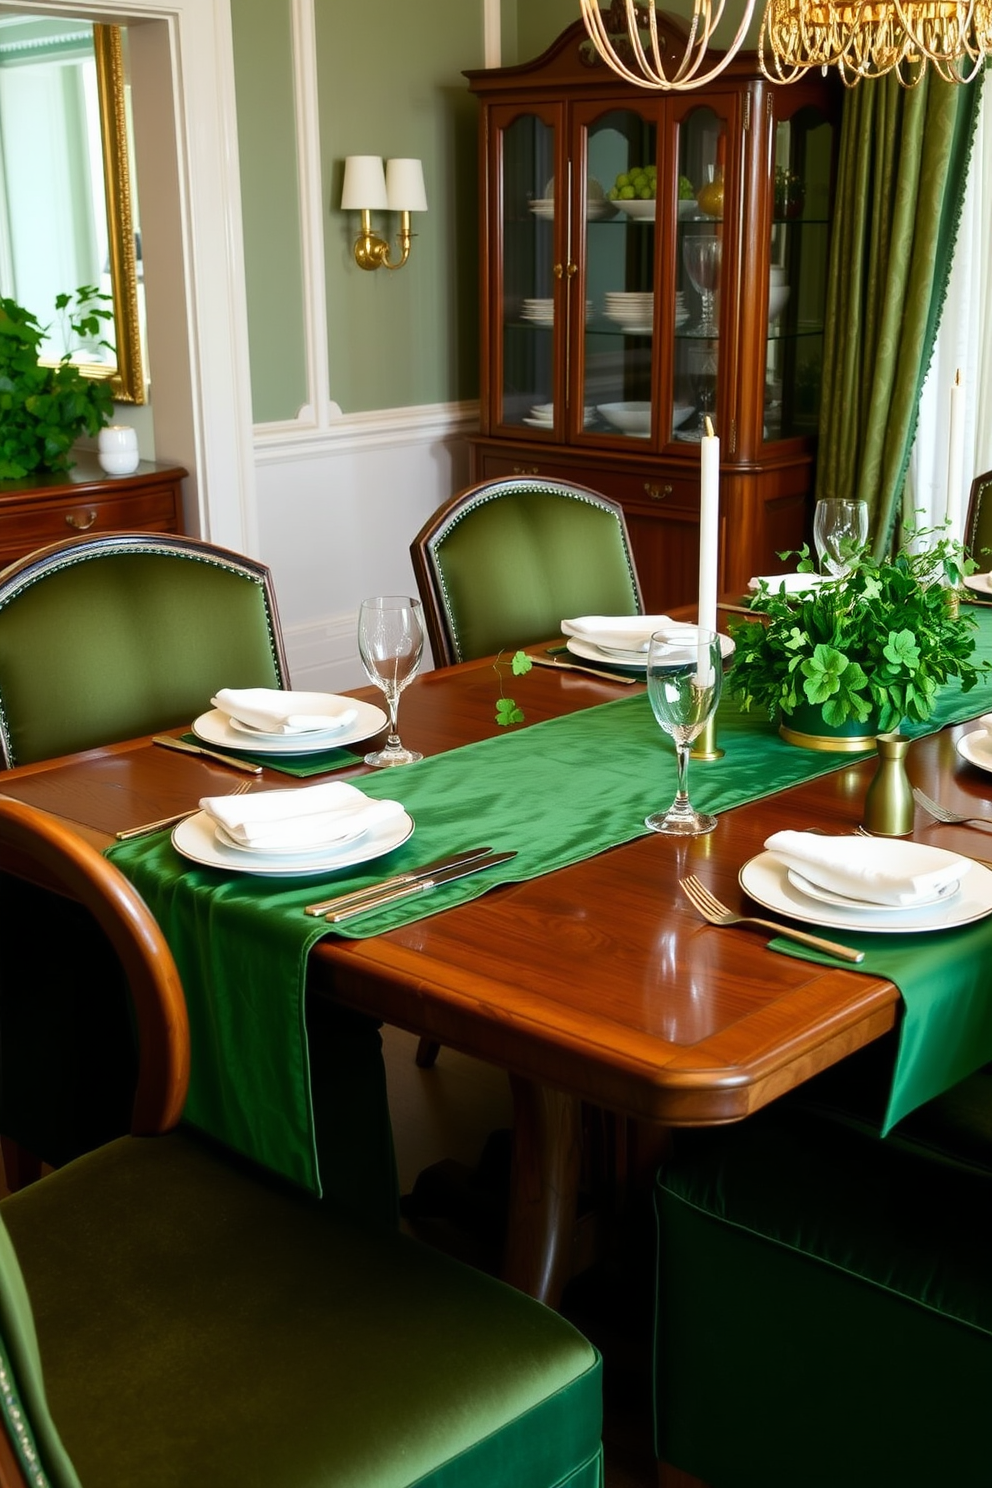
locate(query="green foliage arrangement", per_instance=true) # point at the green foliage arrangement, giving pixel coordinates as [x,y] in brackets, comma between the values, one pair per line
[507,711]
[43,408]
[878,643]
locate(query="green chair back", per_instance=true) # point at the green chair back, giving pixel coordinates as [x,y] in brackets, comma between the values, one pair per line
[503,563]
[978,525]
[107,638]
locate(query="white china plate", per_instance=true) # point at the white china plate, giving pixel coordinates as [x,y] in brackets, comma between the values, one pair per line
[976,748]
[638,208]
[215,728]
[766,879]
[195,838]
[844,901]
[681,412]
[628,661]
[980,582]
[338,845]
[535,423]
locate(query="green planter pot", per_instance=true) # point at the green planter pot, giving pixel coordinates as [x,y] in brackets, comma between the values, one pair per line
[806,728]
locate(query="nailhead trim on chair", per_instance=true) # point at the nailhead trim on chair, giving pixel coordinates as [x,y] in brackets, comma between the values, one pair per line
[17,1428]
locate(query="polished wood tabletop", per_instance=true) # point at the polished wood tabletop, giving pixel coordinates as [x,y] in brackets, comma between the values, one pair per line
[595,983]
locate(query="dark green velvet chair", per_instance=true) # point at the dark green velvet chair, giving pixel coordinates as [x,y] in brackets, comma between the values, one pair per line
[824,1310]
[171,1318]
[978,523]
[502,564]
[105,638]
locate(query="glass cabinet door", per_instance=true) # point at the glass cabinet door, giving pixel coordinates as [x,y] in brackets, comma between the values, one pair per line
[531,202]
[802,187]
[617,323]
[699,272]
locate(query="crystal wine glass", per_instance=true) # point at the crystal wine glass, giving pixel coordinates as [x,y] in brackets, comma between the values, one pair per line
[685,677]
[701,255]
[391,643]
[840,530]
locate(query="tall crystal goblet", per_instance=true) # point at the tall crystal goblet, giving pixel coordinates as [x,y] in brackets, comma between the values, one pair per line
[701,255]
[391,644]
[840,531]
[685,678]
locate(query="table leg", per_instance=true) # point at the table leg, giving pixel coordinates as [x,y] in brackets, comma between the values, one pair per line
[544,1183]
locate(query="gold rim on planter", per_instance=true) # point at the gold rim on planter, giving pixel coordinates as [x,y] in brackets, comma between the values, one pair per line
[833,743]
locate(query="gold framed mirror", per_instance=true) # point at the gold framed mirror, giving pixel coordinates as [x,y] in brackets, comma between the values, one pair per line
[68,217]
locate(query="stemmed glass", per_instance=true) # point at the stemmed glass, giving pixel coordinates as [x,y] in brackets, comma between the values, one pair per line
[391,643]
[840,530]
[701,255]
[685,677]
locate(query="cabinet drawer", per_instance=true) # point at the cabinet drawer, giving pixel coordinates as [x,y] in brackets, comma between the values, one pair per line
[36,523]
[648,490]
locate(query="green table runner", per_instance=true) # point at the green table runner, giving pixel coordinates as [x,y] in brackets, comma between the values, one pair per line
[946,1029]
[557,792]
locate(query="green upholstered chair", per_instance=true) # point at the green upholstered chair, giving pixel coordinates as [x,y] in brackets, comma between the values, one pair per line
[824,1311]
[978,523]
[104,638]
[502,564]
[172,1318]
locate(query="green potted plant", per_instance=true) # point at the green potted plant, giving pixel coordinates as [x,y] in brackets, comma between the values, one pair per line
[44,408]
[856,655]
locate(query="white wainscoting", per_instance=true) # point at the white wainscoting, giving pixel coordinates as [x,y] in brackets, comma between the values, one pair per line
[337,511]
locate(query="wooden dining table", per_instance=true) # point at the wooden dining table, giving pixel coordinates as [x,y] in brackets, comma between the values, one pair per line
[596,983]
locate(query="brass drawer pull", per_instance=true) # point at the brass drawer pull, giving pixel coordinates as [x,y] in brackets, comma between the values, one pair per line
[526,469]
[657,493]
[81,524]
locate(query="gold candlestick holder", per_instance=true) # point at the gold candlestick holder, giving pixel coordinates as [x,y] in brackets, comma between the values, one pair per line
[705,746]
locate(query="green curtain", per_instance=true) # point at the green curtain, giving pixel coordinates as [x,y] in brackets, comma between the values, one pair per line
[900,182]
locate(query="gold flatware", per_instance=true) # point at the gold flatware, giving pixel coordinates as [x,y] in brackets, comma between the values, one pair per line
[450,860]
[717,913]
[170,821]
[422,886]
[168,742]
[572,666]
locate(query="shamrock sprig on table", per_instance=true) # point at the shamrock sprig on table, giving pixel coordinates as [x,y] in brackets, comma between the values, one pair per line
[507,711]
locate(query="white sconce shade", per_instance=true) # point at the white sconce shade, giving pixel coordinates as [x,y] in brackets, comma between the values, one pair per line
[364,188]
[405,191]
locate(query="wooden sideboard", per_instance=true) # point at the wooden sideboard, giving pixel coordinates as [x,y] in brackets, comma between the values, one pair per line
[46,509]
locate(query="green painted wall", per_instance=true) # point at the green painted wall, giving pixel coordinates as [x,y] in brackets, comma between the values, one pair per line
[390,83]
[270,207]
[539,24]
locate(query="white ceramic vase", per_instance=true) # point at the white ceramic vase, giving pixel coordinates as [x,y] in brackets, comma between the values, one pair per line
[117,449]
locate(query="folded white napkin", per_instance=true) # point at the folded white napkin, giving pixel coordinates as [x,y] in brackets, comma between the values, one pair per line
[622,632]
[873,869]
[276,712]
[791,583]
[314,816]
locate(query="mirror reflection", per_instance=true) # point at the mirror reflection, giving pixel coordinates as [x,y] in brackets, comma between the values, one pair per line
[68,214]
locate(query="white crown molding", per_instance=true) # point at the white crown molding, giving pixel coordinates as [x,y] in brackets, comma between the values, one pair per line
[380,429]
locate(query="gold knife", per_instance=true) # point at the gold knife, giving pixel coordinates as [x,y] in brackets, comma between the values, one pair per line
[355,896]
[168,742]
[571,666]
[421,886]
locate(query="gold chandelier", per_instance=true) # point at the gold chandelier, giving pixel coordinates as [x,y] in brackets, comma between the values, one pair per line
[867,39]
[861,38]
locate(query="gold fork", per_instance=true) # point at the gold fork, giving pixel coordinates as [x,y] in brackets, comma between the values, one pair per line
[717,913]
[170,821]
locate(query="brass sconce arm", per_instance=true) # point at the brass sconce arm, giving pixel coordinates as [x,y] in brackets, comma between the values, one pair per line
[372,251]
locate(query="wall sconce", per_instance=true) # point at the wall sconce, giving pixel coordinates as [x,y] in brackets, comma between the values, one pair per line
[367,189]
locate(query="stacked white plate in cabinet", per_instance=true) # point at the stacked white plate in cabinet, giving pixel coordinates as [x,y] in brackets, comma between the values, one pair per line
[633,310]
[541,312]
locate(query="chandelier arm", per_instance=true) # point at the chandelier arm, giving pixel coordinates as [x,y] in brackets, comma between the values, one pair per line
[653,75]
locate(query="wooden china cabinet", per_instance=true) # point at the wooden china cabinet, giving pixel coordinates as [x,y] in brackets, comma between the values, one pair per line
[612,328]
